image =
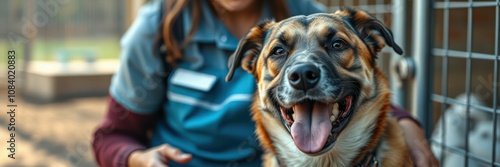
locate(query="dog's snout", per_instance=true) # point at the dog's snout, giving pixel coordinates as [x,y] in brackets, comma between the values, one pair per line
[304,76]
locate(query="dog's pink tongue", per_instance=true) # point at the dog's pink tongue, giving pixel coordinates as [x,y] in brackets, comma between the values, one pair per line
[312,126]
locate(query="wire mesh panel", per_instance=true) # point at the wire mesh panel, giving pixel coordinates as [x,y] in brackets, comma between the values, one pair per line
[465,83]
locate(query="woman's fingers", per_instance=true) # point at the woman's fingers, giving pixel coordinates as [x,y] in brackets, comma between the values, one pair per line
[158,156]
[170,153]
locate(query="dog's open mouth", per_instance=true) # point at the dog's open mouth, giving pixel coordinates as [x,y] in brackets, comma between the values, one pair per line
[315,125]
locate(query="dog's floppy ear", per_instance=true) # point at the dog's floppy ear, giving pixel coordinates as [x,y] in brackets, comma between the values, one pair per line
[248,50]
[372,30]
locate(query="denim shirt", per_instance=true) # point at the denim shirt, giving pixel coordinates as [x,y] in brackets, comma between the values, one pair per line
[214,125]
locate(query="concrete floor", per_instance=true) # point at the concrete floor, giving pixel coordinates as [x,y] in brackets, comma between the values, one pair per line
[54,134]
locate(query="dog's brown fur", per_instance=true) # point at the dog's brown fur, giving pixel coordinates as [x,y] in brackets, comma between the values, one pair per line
[370,129]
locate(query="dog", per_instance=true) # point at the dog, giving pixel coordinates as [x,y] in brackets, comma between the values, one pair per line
[321,99]
[452,131]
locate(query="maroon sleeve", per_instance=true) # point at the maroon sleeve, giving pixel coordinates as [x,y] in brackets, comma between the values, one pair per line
[120,133]
[400,114]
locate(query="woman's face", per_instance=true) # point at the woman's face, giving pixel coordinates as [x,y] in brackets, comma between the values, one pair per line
[235,5]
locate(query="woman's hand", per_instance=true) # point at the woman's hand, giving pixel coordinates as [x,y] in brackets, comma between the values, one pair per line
[158,156]
[419,147]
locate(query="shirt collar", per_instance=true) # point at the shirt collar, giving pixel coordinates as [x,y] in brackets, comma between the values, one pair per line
[212,30]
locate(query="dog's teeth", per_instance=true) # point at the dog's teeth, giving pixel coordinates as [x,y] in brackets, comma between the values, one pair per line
[332,118]
[335,112]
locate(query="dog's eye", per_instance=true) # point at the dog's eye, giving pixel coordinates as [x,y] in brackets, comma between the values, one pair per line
[338,45]
[279,51]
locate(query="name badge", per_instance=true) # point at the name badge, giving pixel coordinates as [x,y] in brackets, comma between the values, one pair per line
[192,79]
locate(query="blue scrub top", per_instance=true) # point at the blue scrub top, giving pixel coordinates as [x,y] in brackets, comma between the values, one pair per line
[215,126]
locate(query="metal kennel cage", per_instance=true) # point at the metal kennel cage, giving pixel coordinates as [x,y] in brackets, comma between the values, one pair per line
[480,22]
[448,75]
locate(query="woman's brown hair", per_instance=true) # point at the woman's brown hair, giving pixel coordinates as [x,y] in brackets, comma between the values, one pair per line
[174,7]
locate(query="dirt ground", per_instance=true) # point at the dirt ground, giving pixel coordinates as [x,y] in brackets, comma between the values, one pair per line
[53,134]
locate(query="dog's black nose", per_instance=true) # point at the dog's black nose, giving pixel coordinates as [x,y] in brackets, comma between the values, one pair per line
[304,76]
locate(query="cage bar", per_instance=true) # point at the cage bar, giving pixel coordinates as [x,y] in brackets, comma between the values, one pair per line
[421,51]
[444,82]
[468,80]
[399,29]
[495,84]
[464,54]
[442,5]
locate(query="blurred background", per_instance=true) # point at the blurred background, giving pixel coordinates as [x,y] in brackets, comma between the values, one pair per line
[67,51]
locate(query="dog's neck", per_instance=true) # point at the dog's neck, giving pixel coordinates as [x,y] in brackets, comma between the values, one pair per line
[369,160]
